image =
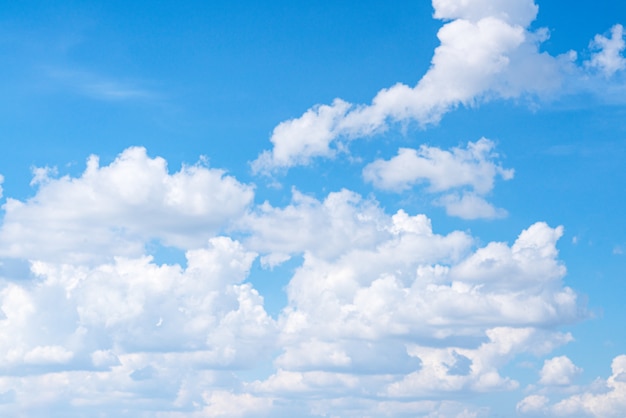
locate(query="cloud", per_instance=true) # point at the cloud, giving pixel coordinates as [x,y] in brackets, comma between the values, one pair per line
[97,87]
[131,332]
[486,52]
[604,398]
[1,181]
[474,168]
[409,313]
[381,306]
[116,209]
[532,404]
[470,206]
[326,229]
[558,371]
[607,57]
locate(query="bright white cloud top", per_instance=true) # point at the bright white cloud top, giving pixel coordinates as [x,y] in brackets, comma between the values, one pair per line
[391,279]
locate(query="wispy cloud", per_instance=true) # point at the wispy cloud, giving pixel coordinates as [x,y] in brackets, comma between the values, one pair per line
[100,87]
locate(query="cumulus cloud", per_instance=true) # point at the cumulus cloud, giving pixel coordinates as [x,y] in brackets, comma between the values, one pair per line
[486,52]
[604,398]
[410,313]
[607,56]
[381,307]
[133,329]
[558,371]
[114,209]
[472,169]
[325,228]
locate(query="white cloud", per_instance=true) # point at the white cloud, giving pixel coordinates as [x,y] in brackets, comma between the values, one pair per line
[520,12]
[558,371]
[381,307]
[95,315]
[407,312]
[473,167]
[608,56]
[532,404]
[601,399]
[325,229]
[116,209]
[485,53]
[469,206]
[314,131]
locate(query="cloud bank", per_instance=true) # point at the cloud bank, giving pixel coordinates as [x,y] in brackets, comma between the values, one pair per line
[381,306]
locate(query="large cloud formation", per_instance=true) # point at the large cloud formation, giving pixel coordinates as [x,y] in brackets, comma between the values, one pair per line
[381,307]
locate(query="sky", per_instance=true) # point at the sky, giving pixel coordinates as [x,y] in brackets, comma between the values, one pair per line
[313,209]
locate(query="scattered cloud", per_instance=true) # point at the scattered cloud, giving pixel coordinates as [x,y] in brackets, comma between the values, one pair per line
[604,398]
[608,58]
[558,371]
[472,169]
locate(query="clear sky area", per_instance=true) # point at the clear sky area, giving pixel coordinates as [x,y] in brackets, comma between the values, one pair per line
[313,209]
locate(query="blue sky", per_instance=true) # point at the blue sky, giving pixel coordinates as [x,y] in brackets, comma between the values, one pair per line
[341,209]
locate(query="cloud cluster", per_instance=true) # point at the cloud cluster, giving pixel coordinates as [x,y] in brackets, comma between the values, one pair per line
[604,398]
[381,305]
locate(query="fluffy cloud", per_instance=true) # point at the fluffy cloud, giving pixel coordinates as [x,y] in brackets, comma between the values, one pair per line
[405,312]
[532,404]
[601,399]
[325,229]
[116,209]
[474,168]
[558,371]
[131,325]
[607,57]
[381,307]
[485,52]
